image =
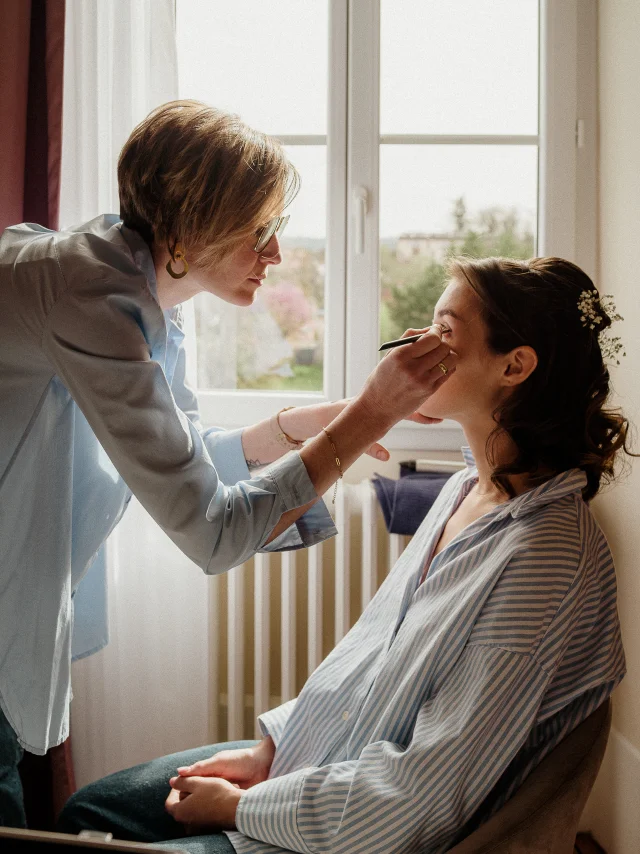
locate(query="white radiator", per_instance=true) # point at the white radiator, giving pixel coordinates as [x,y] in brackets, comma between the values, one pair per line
[304,602]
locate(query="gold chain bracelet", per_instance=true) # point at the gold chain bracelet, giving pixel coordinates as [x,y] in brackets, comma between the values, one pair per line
[338,463]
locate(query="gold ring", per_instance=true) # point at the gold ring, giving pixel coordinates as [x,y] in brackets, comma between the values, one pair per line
[443,368]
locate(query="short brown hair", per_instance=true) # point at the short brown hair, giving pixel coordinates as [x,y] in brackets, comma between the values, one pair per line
[192,174]
[558,417]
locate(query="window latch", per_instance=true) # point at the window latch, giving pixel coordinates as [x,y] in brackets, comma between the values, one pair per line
[360,198]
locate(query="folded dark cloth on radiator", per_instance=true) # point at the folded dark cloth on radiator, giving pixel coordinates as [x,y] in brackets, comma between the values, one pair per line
[405,502]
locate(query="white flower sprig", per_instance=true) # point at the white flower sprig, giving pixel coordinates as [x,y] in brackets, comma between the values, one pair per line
[589,306]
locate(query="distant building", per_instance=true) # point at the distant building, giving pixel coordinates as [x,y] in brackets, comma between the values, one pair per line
[433,246]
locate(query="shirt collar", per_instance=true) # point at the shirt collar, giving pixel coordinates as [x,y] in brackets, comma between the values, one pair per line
[141,256]
[468,457]
[567,482]
[143,260]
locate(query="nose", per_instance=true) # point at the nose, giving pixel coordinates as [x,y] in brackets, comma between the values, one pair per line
[271,252]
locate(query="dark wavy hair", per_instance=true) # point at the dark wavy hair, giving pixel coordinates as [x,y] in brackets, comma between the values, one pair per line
[557,417]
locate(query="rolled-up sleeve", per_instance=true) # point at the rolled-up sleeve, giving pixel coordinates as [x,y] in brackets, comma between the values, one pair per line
[227,454]
[275,720]
[96,339]
[392,798]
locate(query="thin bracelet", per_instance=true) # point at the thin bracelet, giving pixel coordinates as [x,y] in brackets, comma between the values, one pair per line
[286,435]
[338,463]
[281,437]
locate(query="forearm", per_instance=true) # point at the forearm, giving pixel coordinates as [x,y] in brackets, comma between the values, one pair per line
[265,749]
[260,443]
[353,431]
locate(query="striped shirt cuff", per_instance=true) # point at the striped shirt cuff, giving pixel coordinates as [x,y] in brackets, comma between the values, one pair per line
[269,811]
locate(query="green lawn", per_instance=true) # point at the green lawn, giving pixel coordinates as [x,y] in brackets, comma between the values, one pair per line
[306,378]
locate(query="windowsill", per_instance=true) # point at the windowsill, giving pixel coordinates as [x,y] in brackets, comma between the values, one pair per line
[407,435]
[234,409]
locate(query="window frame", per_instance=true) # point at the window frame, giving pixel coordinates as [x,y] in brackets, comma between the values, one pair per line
[566,176]
[233,408]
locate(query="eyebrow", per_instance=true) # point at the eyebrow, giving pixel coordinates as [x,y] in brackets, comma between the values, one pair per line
[442,312]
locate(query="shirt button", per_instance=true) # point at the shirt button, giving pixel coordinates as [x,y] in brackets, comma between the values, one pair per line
[345,716]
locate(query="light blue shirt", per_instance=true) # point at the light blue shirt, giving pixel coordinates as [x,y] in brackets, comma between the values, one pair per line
[93,406]
[445,688]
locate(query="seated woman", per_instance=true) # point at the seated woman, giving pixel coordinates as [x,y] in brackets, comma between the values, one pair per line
[493,637]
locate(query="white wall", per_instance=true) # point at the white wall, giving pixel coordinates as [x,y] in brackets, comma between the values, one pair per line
[613,812]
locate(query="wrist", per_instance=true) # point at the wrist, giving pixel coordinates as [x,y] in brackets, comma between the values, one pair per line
[296,423]
[371,419]
[233,801]
[280,434]
[264,751]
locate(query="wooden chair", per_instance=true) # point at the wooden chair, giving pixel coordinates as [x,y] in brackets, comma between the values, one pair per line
[542,817]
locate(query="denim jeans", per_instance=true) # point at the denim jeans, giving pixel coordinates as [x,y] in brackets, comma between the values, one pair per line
[130,804]
[11,798]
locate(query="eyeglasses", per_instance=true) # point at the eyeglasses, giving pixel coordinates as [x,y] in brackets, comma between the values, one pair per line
[274,226]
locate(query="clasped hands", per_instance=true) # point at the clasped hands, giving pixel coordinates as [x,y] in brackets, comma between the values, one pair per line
[204,796]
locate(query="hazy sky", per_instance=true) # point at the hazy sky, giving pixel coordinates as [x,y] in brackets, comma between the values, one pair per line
[461,66]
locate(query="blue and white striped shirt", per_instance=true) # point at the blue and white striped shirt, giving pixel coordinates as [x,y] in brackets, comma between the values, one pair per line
[443,689]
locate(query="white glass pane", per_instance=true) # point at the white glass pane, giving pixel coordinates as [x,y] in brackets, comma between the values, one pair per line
[460,66]
[265,61]
[436,200]
[276,343]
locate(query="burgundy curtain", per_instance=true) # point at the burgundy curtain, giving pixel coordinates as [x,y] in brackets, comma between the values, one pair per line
[31,67]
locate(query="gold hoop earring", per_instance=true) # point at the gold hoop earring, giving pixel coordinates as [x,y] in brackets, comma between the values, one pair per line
[177,254]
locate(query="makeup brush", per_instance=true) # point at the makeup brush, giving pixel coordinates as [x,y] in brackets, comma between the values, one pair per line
[398,342]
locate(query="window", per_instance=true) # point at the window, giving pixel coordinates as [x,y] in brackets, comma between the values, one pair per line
[420,129]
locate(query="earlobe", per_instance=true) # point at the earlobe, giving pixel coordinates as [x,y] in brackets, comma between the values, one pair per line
[177,255]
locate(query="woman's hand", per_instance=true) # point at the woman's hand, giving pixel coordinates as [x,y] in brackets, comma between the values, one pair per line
[244,767]
[407,376]
[203,803]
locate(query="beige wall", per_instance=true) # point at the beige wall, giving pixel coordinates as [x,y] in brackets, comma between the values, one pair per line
[613,812]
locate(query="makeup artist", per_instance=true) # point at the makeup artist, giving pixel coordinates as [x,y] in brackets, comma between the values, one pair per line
[94,404]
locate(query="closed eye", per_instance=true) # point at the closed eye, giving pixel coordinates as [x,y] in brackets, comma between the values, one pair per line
[446,330]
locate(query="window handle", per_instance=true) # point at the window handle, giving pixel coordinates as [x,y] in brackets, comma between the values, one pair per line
[360,197]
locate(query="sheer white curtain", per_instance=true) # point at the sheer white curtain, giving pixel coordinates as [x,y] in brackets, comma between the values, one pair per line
[146,693]
[120,63]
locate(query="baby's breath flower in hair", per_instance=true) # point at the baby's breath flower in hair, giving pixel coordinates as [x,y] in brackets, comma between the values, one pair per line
[590,305]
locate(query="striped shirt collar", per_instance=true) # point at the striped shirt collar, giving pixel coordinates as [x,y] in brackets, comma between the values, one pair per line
[468,457]
[566,483]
